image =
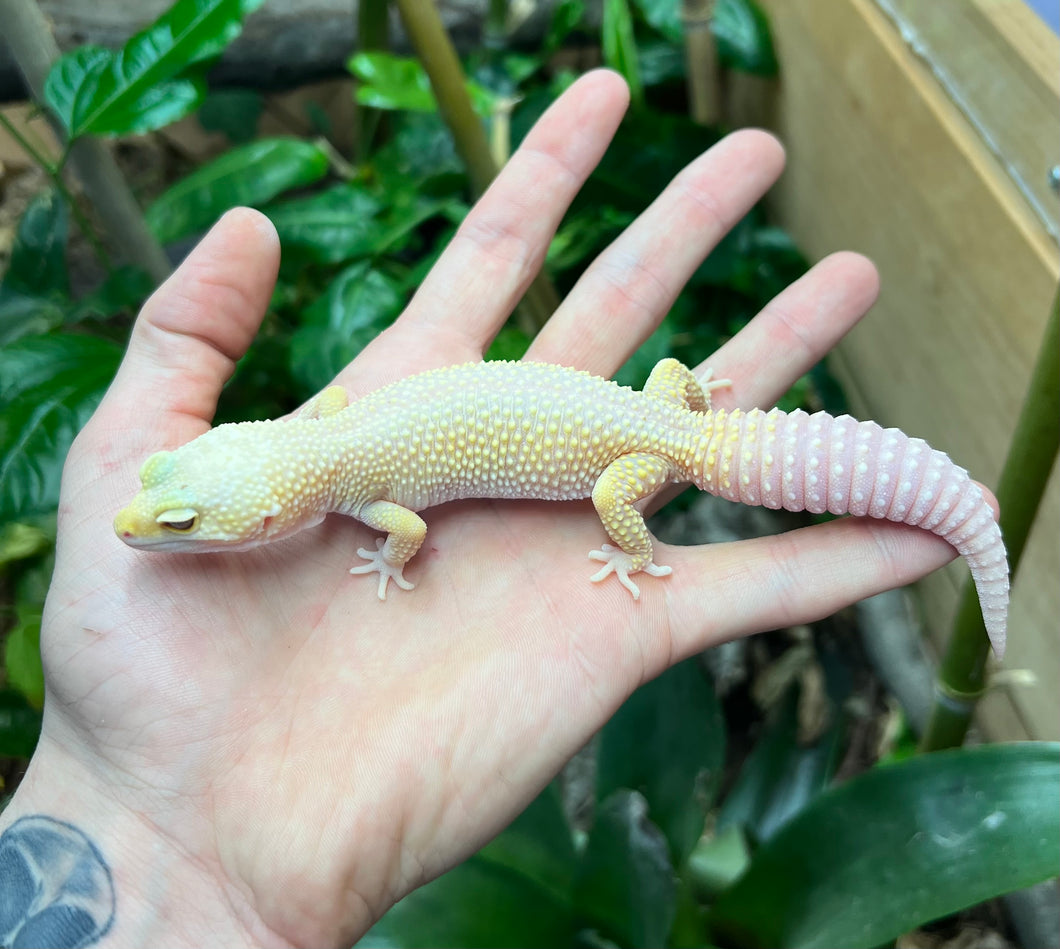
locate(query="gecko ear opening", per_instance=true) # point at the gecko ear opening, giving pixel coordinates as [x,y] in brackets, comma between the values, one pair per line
[183,520]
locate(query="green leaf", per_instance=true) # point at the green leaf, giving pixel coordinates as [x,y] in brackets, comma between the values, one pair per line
[233,112]
[620,47]
[660,61]
[718,862]
[249,175]
[420,152]
[665,16]
[49,386]
[584,234]
[146,84]
[667,742]
[124,290]
[899,846]
[627,883]
[355,307]
[780,777]
[19,541]
[330,227]
[19,725]
[538,845]
[38,255]
[566,16]
[514,892]
[22,654]
[647,152]
[392,82]
[474,907]
[36,285]
[400,82]
[744,40]
[510,343]
[25,315]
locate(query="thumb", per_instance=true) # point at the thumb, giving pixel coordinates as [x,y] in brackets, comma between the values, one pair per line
[190,333]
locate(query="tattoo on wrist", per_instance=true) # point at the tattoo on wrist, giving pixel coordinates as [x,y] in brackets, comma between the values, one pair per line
[55,887]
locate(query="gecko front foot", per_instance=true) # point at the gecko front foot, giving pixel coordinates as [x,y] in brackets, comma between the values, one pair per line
[377,564]
[620,563]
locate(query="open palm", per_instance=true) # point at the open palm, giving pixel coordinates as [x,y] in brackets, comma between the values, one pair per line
[306,753]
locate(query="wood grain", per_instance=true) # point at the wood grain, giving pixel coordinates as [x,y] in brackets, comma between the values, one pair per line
[881,160]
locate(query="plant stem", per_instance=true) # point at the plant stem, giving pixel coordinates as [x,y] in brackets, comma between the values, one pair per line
[435,51]
[373,33]
[52,171]
[1031,455]
[34,50]
[701,59]
[431,43]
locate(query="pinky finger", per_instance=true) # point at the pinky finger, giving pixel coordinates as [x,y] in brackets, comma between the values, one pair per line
[726,591]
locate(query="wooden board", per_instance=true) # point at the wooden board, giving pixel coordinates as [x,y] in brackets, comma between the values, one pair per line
[882,160]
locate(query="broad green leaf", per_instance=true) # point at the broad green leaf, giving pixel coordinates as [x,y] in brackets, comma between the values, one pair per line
[35,287]
[19,725]
[474,906]
[538,845]
[355,307]
[780,777]
[899,846]
[124,290]
[667,741]
[49,386]
[718,862]
[22,654]
[647,152]
[627,884]
[660,61]
[665,16]
[18,541]
[233,112]
[25,315]
[515,892]
[744,40]
[566,16]
[400,82]
[407,211]
[38,255]
[249,175]
[421,152]
[329,227]
[148,83]
[510,343]
[392,82]
[620,47]
[583,234]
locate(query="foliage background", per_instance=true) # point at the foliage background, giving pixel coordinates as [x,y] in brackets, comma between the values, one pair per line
[660,835]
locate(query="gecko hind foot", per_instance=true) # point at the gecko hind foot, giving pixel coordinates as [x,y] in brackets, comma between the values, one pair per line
[618,562]
[377,564]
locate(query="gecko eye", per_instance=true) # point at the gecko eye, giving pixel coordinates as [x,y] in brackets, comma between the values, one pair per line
[181,521]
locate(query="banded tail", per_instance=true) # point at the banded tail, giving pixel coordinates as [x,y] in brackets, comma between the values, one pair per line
[819,463]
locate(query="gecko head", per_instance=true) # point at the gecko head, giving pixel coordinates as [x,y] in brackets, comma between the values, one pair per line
[212,494]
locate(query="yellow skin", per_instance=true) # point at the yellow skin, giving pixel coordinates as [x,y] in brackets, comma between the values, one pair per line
[480,430]
[266,756]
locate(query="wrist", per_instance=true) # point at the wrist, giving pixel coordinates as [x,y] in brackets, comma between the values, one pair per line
[84,864]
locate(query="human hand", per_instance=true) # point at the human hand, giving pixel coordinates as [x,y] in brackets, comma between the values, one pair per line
[265,753]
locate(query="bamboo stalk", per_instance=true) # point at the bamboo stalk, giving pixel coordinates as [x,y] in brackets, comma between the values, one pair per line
[435,51]
[701,59]
[34,50]
[1032,453]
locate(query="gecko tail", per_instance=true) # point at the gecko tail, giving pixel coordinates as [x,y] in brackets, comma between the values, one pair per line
[819,463]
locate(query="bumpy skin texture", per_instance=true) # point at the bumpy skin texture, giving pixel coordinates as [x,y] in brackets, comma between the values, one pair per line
[531,430]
